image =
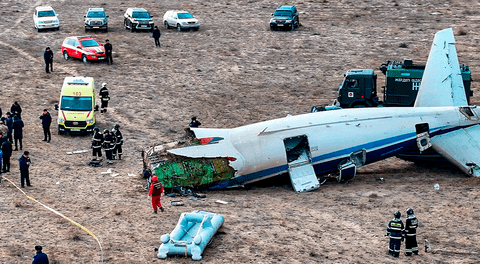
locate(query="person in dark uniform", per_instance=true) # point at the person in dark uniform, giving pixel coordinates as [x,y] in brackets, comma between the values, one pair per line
[9,123]
[18,131]
[16,109]
[395,230]
[118,142]
[108,145]
[46,121]
[2,138]
[48,57]
[97,142]
[40,257]
[411,226]
[6,147]
[194,122]
[108,51]
[156,34]
[104,97]
[24,164]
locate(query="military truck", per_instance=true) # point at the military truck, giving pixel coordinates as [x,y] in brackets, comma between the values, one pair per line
[402,80]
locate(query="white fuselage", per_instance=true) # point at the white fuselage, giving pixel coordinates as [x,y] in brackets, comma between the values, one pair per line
[332,136]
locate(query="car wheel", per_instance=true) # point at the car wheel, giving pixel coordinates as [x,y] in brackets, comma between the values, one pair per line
[293,26]
[125,23]
[166,25]
[86,30]
[179,28]
[106,29]
[65,55]
[84,59]
[131,27]
[195,29]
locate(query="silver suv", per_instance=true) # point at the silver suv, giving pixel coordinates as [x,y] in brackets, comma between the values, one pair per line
[96,19]
[180,19]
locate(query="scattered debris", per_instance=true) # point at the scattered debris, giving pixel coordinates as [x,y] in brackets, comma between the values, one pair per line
[221,202]
[427,245]
[77,151]
[106,172]
[436,186]
[94,163]
[114,174]
[177,203]
[131,175]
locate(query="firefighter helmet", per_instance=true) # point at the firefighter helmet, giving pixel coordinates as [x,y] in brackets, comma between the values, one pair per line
[106,131]
[397,214]
[117,126]
[96,129]
[104,84]
[409,211]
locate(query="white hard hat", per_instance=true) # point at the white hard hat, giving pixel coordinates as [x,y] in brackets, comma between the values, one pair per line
[104,84]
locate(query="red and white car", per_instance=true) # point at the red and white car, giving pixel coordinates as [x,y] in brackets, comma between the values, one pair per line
[83,47]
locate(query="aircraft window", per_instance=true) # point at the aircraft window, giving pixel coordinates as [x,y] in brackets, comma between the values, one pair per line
[467,111]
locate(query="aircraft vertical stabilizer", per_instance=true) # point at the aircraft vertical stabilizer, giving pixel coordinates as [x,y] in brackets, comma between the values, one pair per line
[442,83]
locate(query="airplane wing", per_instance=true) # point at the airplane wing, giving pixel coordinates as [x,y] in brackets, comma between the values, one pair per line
[442,83]
[461,147]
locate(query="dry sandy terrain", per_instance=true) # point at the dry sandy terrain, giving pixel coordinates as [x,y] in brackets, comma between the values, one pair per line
[233,71]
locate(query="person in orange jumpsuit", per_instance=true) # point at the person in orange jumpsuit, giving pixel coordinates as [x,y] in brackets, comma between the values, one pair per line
[156,191]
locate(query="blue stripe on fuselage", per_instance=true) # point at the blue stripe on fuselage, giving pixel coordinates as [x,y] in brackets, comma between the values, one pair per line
[334,158]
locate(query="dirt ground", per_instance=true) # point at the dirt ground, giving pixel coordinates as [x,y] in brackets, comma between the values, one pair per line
[233,71]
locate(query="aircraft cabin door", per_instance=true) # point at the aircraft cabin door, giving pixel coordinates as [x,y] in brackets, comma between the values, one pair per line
[300,167]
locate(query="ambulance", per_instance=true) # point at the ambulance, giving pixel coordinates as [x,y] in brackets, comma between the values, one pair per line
[76,112]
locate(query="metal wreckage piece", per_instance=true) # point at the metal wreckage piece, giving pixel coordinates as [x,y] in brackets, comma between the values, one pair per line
[173,170]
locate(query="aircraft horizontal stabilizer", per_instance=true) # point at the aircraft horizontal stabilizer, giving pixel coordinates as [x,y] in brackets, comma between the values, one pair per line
[442,83]
[461,147]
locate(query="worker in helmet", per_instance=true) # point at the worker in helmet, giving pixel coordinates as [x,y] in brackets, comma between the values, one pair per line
[97,142]
[411,225]
[156,192]
[195,122]
[395,231]
[117,135]
[104,98]
[108,145]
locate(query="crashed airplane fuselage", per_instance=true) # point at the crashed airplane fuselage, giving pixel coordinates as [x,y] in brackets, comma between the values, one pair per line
[339,140]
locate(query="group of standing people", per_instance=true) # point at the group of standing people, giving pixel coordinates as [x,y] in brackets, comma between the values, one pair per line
[13,122]
[14,125]
[110,141]
[398,232]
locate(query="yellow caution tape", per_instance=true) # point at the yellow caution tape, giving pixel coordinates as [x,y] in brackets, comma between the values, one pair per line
[60,214]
